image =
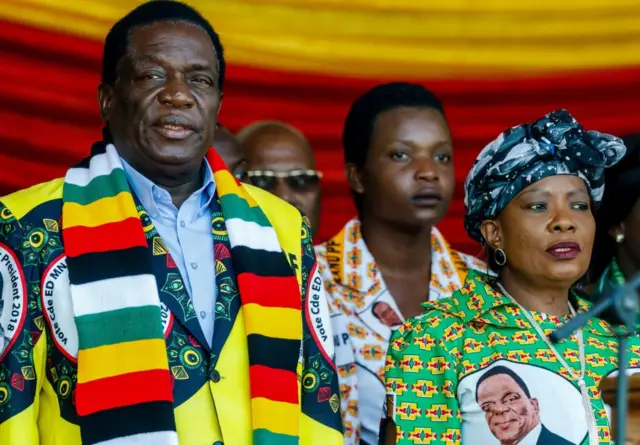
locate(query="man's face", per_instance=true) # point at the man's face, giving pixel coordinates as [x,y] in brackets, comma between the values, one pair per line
[510,414]
[281,152]
[163,108]
[386,314]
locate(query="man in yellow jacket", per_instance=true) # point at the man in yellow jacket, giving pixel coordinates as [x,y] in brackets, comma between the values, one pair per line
[149,298]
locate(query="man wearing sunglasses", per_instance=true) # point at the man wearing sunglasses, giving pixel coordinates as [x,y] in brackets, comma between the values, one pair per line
[281,161]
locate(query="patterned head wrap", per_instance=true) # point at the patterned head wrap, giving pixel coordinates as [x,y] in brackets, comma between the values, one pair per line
[553,145]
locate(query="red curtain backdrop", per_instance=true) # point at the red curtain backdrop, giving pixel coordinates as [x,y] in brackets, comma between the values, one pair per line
[49,115]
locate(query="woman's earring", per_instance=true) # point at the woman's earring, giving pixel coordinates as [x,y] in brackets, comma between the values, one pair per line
[619,238]
[500,257]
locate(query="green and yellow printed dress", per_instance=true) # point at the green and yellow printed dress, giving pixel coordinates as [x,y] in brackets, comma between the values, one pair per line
[473,371]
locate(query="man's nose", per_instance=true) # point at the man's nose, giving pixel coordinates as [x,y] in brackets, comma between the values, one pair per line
[499,408]
[176,93]
[284,192]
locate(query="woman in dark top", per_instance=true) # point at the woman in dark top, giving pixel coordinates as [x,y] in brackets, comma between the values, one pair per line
[616,254]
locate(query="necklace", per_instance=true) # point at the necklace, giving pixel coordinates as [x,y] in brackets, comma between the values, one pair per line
[578,377]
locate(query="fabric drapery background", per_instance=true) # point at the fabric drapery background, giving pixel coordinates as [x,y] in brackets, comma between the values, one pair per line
[494,63]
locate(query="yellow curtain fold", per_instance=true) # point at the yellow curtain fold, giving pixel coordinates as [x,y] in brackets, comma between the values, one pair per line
[382,38]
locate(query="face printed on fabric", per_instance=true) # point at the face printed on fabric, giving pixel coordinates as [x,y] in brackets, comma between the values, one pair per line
[509,412]
[281,162]
[408,176]
[546,231]
[163,109]
[385,313]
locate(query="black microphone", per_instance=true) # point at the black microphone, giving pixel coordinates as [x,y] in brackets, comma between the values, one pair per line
[620,307]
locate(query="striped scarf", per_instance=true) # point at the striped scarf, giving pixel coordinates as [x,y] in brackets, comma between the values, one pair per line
[124,393]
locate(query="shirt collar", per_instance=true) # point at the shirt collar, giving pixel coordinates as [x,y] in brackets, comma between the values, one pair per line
[533,436]
[480,301]
[208,188]
[347,253]
[151,195]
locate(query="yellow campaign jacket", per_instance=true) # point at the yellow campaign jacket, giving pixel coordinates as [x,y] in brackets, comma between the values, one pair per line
[39,345]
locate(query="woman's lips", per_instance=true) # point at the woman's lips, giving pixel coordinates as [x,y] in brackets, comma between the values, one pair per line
[564,250]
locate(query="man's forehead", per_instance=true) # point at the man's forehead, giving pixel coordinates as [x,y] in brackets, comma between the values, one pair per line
[500,381]
[170,36]
[280,159]
[279,143]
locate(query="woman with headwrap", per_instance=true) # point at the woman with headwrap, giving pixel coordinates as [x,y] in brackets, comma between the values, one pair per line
[616,252]
[477,368]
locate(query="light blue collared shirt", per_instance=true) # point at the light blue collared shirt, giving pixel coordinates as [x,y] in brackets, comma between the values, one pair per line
[187,234]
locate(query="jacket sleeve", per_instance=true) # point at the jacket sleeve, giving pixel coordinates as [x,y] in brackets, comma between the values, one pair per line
[23,347]
[321,422]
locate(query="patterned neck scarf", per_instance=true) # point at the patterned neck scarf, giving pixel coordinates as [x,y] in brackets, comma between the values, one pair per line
[125,391]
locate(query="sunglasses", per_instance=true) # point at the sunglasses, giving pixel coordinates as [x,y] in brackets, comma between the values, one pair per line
[299,180]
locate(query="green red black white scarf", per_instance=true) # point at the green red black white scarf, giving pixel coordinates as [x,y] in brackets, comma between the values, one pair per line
[124,392]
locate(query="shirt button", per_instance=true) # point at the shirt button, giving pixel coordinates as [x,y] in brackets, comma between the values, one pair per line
[182,224]
[215,376]
[203,314]
[194,265]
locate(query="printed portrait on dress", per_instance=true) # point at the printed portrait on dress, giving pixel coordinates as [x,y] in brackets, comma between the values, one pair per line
[517,404]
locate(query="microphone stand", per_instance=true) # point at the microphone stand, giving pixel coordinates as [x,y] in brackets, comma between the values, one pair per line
[621,306]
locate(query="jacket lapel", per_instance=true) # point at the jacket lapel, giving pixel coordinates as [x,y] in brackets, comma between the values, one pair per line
[228,302]
[171,287]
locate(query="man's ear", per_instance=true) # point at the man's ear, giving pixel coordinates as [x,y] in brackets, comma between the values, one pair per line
[492,233]
[105,96]
[220,103]
[355,178]
[536,405]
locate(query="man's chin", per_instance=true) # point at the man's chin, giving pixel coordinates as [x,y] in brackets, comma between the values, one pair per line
[174,151]
[176,155]
[507,432]
[172,167]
